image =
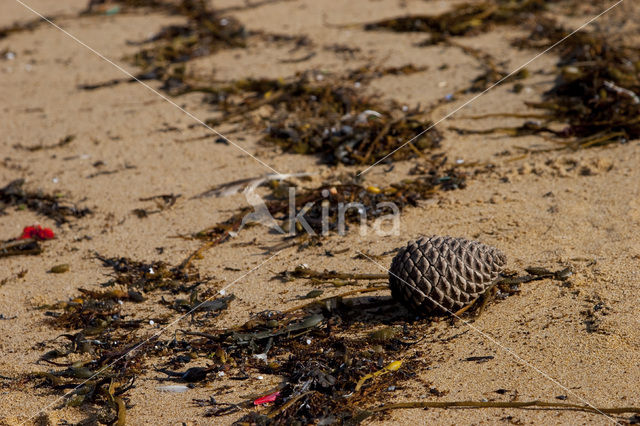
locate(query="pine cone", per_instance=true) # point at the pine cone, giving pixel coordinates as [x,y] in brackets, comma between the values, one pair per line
[440,275]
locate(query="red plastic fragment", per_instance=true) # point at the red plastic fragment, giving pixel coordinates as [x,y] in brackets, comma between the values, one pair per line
[267,398]
[37,232]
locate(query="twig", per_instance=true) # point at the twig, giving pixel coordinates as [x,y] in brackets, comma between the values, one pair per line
[507,404]
[348,293]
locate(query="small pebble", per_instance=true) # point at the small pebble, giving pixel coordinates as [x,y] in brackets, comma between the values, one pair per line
[60,269]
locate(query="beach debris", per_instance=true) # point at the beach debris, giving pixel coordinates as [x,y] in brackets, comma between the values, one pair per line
[328,118]
[249,185]
[13,277]
[102,330]
[162,202]
[36,232]
[505,404]
[440,275]
[323,208]
[464,19]
[596,90]
[29,246]
[19,27]
[304,271]
[267,399]
[51,206]
[391,367]
[205,32]
[62,142]
[60,269]
[595,95]
[191,375]
[173,388]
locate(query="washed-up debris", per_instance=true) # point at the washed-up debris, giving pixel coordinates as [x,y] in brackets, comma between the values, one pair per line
[99,329]
[13,277]
[60,269]
[51,206]
[249,184]
[504,404]
[596,90]
[37,232]
[192,375]
[443,274]
[19,27]
[595,96]
[306,272]
[173,388]
[393,366]
[62,142]
[27,243]
[162,202]
[464,19]
[204,33]
[328,118]
[332,208]
[267,399]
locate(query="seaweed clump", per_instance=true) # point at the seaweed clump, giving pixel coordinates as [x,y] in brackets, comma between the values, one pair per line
[596,91]
[47,205]
[326,377]
[205,32]
[311,114]
[464,19]
[102,335]
[334,208]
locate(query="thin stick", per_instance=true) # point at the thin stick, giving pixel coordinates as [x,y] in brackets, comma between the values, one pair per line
[348,293]
[506,404]
[328,275]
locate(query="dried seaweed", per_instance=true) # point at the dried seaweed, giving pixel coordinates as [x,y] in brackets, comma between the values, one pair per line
[102,334]
[205,32]
[595,95]
[596,90]
[28,246]
[19,27]
[162,202]
[320,368]
[47,205]
[507,404]
[104,6]
[329,204]
[464,19]
[62,142]
[314,114]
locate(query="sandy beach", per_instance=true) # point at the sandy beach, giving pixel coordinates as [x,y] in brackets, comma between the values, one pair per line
[111,149]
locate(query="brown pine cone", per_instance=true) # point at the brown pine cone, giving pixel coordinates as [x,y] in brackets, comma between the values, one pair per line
[439,275]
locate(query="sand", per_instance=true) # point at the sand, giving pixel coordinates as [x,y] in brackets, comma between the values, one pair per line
[578,209]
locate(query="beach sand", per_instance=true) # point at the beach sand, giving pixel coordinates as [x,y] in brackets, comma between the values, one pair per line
[553,209]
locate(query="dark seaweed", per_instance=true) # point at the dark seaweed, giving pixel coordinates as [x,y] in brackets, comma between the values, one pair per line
[313,114]
[47,205]
[595,93]
[464,19]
